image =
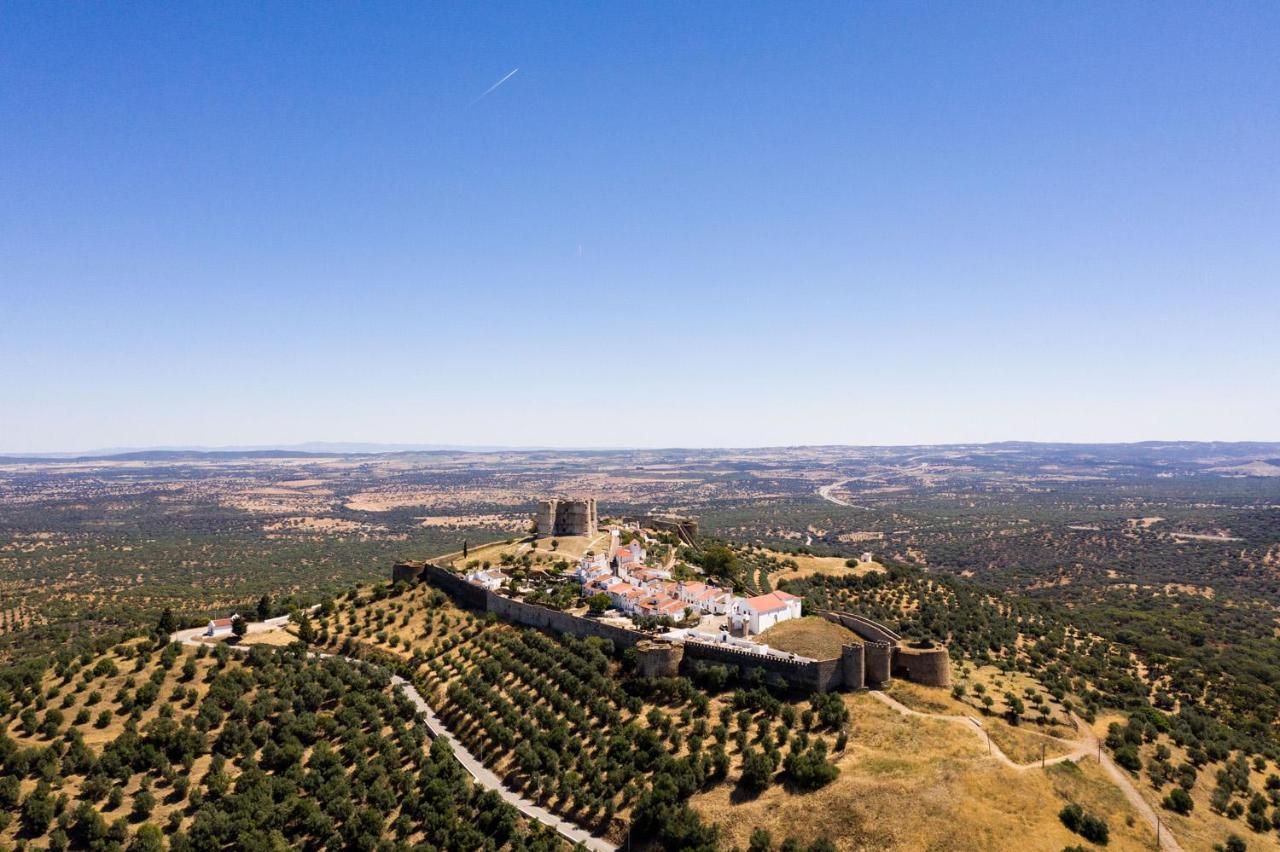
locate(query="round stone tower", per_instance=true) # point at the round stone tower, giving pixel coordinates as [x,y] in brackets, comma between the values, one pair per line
[659,658]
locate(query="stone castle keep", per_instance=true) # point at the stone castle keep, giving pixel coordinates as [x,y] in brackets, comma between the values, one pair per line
[567,517]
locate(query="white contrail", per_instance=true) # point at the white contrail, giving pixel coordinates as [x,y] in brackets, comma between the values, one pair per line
[510,74]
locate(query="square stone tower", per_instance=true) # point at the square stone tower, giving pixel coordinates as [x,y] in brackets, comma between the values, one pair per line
[567,517]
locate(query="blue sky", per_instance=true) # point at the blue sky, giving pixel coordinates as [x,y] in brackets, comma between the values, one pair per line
[677,224]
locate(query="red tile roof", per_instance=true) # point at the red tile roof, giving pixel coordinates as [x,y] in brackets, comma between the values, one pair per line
[769,602]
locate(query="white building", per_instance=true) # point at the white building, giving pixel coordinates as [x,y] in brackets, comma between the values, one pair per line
[760,613]
[221,626]
[629,557]
[705,597]
[626,597]
[491,579]
[591,567]
[715,601]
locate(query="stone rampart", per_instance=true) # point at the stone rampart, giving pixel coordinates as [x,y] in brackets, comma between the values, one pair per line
[870,630]
[820,675]
[562,622]
[858,666]
[456,587]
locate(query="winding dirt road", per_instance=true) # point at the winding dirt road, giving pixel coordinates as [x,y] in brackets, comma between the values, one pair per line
[1086,746]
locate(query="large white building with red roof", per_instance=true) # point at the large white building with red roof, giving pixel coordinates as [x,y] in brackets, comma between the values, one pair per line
[761,612]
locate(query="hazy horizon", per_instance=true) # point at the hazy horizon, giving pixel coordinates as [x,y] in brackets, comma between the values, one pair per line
[670,225]
[359,447]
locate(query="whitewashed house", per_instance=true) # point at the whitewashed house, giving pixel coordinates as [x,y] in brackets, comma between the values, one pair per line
[221,627]
[761,612]
[628,558]
[592,567]
[714,600]
[491,579]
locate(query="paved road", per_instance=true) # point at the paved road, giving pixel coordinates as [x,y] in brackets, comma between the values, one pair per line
[1085,747]
[825,493]
[476,768]
[487,779]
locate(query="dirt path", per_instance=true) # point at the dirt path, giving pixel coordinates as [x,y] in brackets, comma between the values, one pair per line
[1079,752]
[1122,780]
[474,766]
[1086,746]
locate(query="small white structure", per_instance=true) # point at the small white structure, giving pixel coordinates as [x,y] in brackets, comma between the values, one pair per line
[491,579]
[760,613]
[866,557]
[221,627]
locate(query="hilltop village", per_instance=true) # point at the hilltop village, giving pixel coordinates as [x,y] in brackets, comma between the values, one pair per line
[617,588]
[637,590]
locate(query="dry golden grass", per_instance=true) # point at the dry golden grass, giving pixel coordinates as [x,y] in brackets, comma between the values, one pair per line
[829,566]
[910,783]
[811,636]
[567,548]
[278,637]
[928,699]
[1020,742]
[1023,743]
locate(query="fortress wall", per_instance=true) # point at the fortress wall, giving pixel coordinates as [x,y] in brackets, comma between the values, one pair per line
[866,628]
[562,622]
[827,674]
[868,665]
[685,528]
[930,666]
[468,593]
[821,675]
